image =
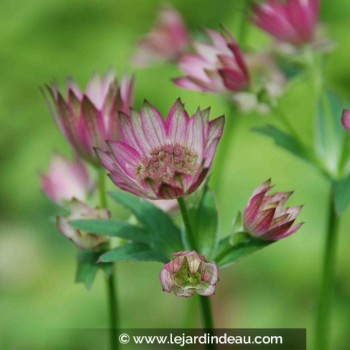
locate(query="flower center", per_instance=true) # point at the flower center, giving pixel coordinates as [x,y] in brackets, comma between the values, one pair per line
[165,163]
[185,278]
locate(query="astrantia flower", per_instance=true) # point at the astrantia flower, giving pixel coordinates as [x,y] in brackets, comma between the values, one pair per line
[265,216]
[346,119]
[189,273]
[82,239]
[291,21]
[217,66]
[159,159]
[168,39]
[66,180]
[88,118]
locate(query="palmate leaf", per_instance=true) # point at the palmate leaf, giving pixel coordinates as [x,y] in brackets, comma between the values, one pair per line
[112,227]
[283,140]
[228,253]
[133,251]
[87,267]
[164,235]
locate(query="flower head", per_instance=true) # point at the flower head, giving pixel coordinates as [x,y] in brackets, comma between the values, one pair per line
[166,41]
[189,273]
[66,180]
[82,239]
[88,118]
[217,66]
[265,217]
[159,159]
[291,21]
[346,119]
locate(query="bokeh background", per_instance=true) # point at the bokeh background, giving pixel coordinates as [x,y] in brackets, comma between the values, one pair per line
[277,287]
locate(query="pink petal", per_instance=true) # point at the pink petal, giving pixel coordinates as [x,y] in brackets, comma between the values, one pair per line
[346,119]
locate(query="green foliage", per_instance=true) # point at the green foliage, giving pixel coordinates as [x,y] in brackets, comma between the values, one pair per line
[164,235]
[229,253]
[283,140]
[114,228]
[87,267]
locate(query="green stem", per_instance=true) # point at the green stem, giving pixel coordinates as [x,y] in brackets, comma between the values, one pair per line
[207,318]
[110,279]
[323,325]
[186,219]
[244,24]
[344,155]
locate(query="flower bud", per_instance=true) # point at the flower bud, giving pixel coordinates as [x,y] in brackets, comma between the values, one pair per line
[83,240]
[189,273]
[265,217]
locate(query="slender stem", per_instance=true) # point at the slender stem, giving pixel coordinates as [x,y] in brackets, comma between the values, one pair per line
[110,279]
[323,325]
[207,318]
[344,155]
[186,219]
[244,24]
[113,307]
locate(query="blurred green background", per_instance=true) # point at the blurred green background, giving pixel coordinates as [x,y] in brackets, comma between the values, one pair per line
[44,40]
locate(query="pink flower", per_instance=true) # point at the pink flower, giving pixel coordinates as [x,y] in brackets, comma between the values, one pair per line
[88,118]
[159,159]
[189,273]
[82,239]
[217,66]
[66,180]
[168,39]
[265,217]
[346,119]
[291,21]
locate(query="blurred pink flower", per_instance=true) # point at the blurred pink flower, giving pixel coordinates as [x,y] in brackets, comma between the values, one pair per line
[189,273]
[217,66]
[265,217]
[291,21]
[159,159]
[89,118]
[66,180]
[346,119]
[82,239]
[166,41]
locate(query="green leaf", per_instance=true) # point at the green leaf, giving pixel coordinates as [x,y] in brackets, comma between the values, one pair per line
[205,223]
[87,267]
[112,228]
[133,251]
[342,195]
[164,235]
[283,140]
[329,133]
[228,254]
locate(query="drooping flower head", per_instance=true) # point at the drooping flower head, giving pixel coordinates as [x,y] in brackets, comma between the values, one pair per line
[166,41]
[88,118]
[82,239]
[291,21]
[217,66]
[346,119]
[159,159]
[189,273]
[66,180]
[265,216]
